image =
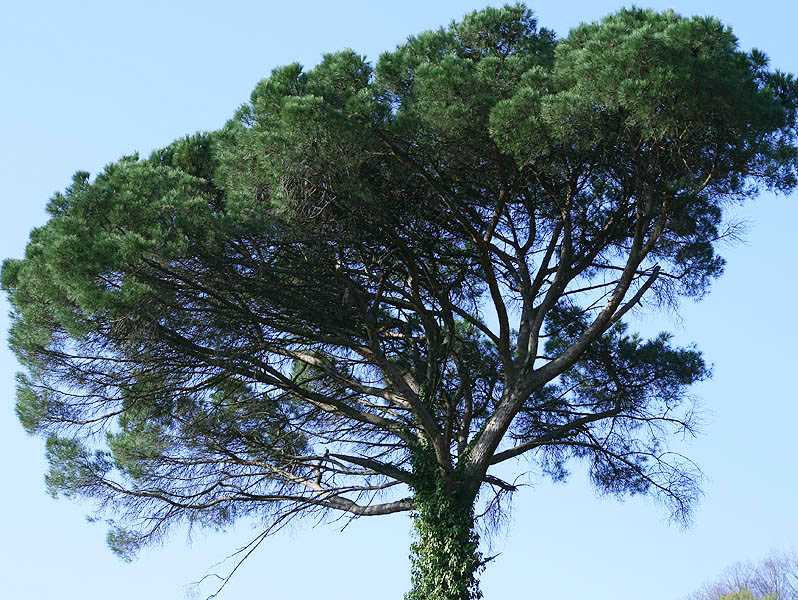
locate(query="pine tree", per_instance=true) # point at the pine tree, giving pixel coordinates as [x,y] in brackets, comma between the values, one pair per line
[377,283]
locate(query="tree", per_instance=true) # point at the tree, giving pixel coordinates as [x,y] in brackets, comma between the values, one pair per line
[775,577]
[744,594]
[375,285]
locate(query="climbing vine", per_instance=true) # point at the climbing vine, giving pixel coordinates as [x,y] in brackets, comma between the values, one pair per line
[445,557]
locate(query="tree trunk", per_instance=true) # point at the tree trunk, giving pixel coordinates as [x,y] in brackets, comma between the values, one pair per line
[445,556]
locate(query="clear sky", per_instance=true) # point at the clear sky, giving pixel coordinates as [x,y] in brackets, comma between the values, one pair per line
[82,83]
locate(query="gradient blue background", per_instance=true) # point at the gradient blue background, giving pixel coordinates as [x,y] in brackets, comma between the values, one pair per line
[82,83]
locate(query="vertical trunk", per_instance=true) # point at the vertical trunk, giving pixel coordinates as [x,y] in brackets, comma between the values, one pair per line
[445,556]
[446,559]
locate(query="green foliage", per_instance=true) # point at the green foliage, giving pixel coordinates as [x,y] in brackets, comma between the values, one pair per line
[746,594]
[138,446]
[74,469]
[622,376]
[655,73]
[775,577]
[124,542]
[288,315]
[445,557]
[32,406]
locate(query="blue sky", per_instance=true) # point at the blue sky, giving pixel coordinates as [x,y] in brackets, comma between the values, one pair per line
[84,83]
